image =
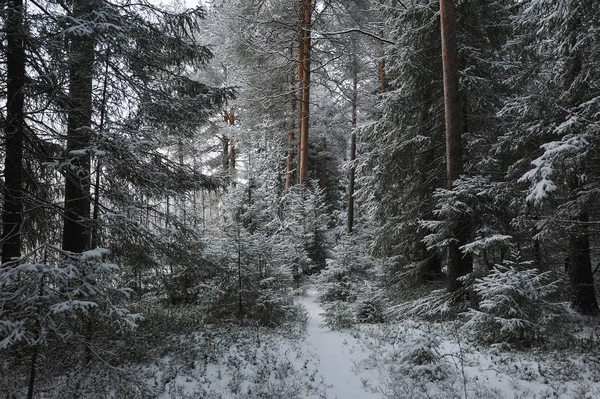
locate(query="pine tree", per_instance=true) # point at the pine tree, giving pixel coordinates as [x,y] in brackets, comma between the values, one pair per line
[407,142]
[403,164]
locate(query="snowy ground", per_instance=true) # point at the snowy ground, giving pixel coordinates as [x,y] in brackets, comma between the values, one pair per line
[320,364]
[396,360]
[434,360]
[414,360]
[339,357]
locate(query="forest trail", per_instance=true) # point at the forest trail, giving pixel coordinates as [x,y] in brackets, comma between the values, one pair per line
[338,353]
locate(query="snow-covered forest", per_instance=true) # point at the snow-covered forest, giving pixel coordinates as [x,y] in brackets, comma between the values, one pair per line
[351,199]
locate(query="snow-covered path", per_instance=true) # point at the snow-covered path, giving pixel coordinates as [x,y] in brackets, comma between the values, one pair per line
[337,353]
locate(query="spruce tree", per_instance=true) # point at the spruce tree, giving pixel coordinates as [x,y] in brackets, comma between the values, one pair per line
[560,117]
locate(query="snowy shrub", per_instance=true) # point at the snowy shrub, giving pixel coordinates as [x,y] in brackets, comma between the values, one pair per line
[517,306]
[347,287]
[339,315]
[238,363]
[410,363]
[67,301]
[260,253]
[251,292]
[96,380]
[370,307]
[56,298]
[419,356]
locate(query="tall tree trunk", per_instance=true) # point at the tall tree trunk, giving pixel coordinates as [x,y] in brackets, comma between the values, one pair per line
[306,11]
[289,178]
[299,91]
[12,213]
[353,141]
[229,154]
[459,263]
[76,231]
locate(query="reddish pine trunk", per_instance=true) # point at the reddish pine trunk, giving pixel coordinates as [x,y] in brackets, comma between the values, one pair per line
[459,263]
[289,179]
[382,76]
[306,12]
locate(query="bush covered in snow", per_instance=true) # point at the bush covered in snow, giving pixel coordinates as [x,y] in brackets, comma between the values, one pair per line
[348,288]
[420,356]
[517,305]
[63,303]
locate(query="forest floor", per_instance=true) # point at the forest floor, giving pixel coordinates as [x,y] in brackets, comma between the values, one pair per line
[339,354]
[411,360]
[395,360]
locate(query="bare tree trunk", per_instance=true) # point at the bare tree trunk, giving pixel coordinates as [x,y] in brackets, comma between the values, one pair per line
[353,142]
[12,211]
[459,263]
[225,155]
[306,10]
[289,178]
[451,92]
[299,89]
[232,154]
[76,231]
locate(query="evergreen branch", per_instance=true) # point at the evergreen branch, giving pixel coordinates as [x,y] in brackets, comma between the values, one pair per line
[358,30]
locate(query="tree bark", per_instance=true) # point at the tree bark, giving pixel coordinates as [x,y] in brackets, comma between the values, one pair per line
[459,263]
[76,231]
[352,172]
[452,111]
[12,213]
[583,297]
[289,178]
[306,12]
[225,155]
